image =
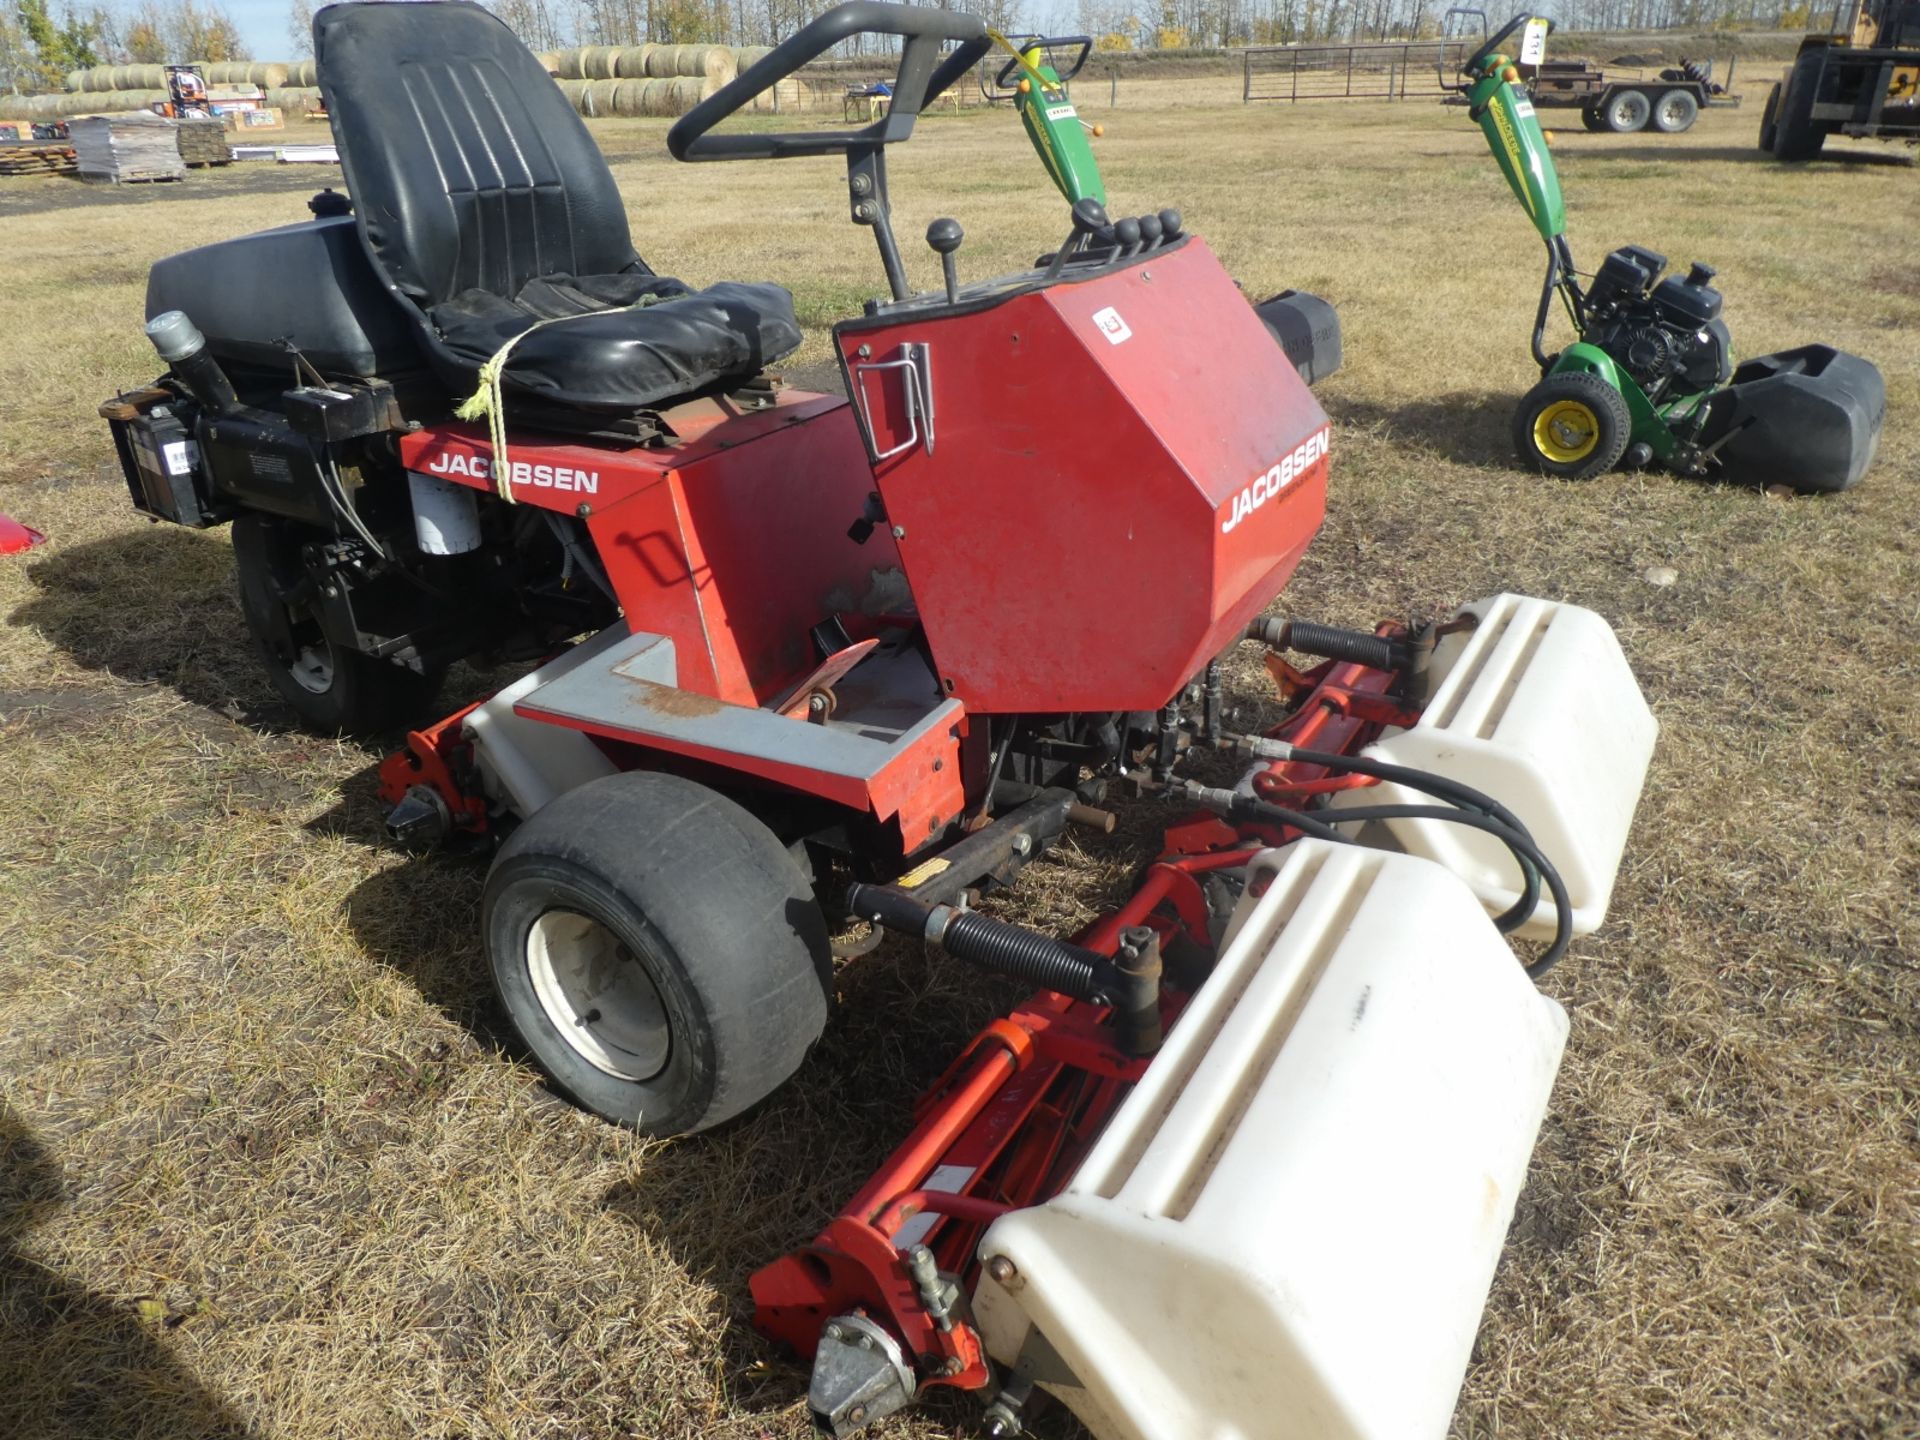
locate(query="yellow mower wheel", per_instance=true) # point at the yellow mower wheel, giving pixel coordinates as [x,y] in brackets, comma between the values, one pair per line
[1566,432]
[1573,426]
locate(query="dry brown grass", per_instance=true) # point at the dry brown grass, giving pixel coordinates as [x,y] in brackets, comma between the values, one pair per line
[267,1168]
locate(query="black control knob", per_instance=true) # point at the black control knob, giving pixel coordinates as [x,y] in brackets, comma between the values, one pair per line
[945,235]
[1089,215]
[1170,223]
[1151,230]
[328,203]
[1699,273]
[1127,234]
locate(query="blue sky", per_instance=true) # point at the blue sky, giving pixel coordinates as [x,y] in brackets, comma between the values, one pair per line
[263,25]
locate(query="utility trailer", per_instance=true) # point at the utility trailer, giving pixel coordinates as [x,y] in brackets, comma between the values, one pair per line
[1860,77]
[1669,102]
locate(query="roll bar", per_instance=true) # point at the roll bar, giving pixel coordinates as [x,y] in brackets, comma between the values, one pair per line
[919,82]
[922,77]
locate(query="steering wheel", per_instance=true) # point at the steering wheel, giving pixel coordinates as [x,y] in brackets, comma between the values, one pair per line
[1474,62]
[922,77]
[1005,81]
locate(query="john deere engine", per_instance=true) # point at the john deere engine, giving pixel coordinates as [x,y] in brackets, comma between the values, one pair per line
[1659,331]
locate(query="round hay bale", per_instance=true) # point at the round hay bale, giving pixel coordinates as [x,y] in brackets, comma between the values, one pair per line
[146,77]
[656,97]
[76,80]
[304,73]
[715,62]
[631,62]
[597,61]
[549,60]
[660,61]
[294,99]
[627,95]
[597,97]
[267,76]
[745,55]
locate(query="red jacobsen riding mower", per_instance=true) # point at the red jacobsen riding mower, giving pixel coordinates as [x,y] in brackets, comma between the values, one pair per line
[1243,1163]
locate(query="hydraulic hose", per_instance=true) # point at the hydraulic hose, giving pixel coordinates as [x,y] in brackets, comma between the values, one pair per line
[1321,825]
[1525,853]
[1455,792]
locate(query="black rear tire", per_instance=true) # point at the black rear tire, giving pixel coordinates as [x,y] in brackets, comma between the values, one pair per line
[1796,135]
[1591,117]
[1572,426]
[708,977]
[332,690]
[1770,118]
[1675,112]
[1627,111]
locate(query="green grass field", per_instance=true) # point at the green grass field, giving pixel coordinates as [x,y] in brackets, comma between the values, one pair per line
[270,1166]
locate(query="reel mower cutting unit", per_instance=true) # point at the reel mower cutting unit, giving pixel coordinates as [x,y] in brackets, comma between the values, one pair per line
[1651,374]
[871,657]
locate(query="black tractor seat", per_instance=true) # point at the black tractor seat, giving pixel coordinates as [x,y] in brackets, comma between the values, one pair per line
[485,206]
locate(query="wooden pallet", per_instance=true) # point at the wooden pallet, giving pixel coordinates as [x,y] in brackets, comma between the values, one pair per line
[21,159]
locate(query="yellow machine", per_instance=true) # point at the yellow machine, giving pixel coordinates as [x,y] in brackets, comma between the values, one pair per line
[1858,76]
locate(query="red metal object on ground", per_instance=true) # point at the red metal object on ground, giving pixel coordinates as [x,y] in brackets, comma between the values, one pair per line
[15,537]
[1010,1121]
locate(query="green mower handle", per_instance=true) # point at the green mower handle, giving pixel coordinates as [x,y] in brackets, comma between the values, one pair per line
[1504,111]
[1053,126]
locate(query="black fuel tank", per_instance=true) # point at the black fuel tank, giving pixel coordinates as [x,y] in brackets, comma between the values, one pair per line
[309,283]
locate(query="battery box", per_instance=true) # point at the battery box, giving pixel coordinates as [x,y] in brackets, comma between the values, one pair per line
[161,459]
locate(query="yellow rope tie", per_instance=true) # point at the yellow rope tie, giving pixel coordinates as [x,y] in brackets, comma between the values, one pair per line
[488,401]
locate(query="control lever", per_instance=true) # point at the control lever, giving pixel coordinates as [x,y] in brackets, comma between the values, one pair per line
[1151,231]
[1171,224]
[944,236]
[1089,216]
[1126,234]
[1699,272]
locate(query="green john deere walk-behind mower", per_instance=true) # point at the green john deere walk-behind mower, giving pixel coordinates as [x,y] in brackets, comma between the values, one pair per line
[1034,77]
[1651,377]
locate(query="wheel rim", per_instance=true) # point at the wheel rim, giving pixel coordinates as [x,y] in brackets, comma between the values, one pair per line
[1673,111]
[1566,431]
[1630,112]
[597,995]
[312,667]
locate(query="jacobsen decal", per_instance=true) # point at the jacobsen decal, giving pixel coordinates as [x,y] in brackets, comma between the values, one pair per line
[539,477]
[1269,485]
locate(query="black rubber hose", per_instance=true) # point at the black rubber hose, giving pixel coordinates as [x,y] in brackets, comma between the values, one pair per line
[1525,852]
[1444,788]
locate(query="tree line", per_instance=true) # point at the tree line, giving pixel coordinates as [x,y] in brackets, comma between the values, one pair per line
[40,44]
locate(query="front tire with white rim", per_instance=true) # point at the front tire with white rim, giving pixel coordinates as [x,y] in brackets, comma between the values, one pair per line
[658,950]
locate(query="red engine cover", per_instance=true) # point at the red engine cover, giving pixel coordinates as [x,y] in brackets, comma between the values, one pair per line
[1125,470]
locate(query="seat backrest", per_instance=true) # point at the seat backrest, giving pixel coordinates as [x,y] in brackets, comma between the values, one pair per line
[469,169]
